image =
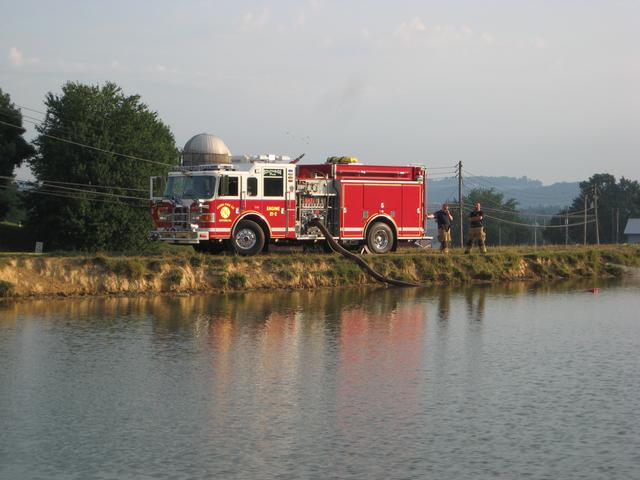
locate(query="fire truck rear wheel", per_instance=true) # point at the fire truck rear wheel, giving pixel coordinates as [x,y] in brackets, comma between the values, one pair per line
[380,238]
[248,238]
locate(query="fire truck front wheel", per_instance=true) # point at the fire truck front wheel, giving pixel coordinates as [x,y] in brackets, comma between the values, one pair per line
[209,247]
[380,238]
[247,238]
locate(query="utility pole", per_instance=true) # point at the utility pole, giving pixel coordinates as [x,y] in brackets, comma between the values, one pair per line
[617,224]
[595,204]
[613,224]
[460,203]
[585,218]
[566,228]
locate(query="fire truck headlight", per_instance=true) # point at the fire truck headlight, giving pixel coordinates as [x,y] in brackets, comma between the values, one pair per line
[163,214]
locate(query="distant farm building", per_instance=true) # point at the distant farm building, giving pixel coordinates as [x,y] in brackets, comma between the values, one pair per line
[632,230]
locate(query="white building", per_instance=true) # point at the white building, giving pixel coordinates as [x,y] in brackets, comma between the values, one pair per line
[632,230]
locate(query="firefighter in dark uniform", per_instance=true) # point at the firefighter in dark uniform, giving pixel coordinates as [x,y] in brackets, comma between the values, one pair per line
[444,218]
[476,229]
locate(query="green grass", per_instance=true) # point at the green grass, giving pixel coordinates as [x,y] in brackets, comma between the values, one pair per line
[503,264]
[154,265]
[130,267]
[175,277]
[196,260]
[236,280]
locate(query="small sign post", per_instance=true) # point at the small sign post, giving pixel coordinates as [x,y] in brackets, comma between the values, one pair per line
[39,246]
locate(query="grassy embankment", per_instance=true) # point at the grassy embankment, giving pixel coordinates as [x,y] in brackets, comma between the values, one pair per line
[183,271]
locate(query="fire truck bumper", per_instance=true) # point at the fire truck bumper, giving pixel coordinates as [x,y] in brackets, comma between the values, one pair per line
[186,236]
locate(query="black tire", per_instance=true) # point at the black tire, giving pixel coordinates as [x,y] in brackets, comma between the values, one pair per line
[208,246]
[380,238]
[201,247]
[247,238]
[216,246]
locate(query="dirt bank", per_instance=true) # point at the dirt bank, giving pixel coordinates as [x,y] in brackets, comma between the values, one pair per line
[95,275]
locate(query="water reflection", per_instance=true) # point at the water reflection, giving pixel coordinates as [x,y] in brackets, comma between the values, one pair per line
[475,300]
[363,383]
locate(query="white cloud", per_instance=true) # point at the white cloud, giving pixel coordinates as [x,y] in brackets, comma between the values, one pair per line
[300,20]
[442,35]
[415,25]
[17,58]
[540,43]
[315,5]
[487,38]
[255,21]
[159,68]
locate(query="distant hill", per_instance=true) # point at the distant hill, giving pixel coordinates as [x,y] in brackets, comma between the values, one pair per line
[527,192]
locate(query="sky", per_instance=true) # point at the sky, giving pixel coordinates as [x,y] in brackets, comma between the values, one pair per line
[544,89]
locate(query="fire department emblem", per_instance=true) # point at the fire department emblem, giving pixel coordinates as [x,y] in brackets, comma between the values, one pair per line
[225,212]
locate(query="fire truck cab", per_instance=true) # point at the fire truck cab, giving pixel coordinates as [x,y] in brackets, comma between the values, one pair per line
[250,202]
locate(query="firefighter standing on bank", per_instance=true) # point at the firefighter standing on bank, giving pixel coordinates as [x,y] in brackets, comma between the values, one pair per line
[444,218]
[476,229]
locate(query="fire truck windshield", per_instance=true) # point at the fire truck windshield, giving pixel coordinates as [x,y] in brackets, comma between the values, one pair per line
[190,186]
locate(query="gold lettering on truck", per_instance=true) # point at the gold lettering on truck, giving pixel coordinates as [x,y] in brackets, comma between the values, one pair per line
[273,211]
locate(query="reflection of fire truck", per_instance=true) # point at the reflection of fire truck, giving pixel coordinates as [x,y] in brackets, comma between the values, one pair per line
[215,200]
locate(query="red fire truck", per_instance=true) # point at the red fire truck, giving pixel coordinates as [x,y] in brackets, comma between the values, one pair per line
[250,202]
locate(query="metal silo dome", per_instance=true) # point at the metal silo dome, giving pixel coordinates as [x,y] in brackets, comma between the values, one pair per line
[203,149]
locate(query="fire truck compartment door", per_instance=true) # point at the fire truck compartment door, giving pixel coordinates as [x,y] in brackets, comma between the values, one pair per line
[412,213]
[351,204]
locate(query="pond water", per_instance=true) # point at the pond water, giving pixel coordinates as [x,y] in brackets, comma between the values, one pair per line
[526,381]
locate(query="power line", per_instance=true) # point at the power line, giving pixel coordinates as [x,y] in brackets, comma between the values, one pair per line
[75,184]
[77,197]
[448,167]
[530,225]
[97,186]
[532,214]
[130,157]
[498,205]
[45,185]
[30,109]
[442,176]
[93,192]
[69,130]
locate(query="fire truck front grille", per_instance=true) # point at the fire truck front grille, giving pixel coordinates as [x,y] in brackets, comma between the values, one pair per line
[181,219]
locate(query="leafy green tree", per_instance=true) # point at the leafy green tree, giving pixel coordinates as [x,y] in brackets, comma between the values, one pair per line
[96,213]
[13,150]
[622,196]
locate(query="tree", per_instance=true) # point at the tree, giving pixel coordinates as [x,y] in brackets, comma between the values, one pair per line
[97,212]
[13,150]
[613,197]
